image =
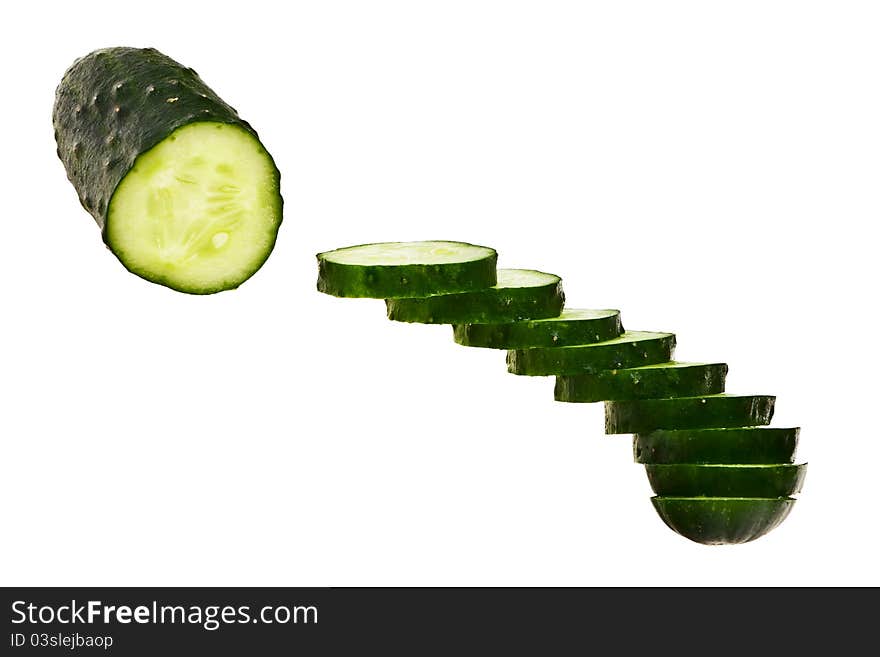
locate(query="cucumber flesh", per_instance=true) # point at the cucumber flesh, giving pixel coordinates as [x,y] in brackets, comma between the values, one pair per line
[674,379]
[519,294]
[722,520]
[632,349]
[708,411]
[406,269]
[573,326]
[692,480]
[184,192]
[740,445]
[199,211]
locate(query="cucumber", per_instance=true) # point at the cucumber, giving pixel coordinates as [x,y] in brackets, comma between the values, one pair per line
[573,326]
[722,520]
[632,349]
[741,445]
[692,480]
[649,382]
[406,269]
[719,476]
[182,189]
[519,294]
[708,411]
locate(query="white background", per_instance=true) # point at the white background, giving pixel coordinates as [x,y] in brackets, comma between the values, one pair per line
[708,168]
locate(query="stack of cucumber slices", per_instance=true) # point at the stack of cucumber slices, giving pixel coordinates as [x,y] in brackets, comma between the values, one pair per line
[719,474]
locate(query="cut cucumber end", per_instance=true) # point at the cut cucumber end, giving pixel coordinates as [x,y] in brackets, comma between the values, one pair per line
[524,278]
[392,270]
[390,254]
[726,480]
[722,520]
[199,212]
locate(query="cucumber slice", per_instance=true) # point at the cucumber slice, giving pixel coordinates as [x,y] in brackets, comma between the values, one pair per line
[184,192]
[691,480]
[649,382]
[722,520]
[741,445]
[406,269]
[519,294]
[573,326]
[632,349]
[708,411]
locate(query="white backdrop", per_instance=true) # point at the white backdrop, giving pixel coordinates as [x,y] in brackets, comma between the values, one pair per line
[708,168]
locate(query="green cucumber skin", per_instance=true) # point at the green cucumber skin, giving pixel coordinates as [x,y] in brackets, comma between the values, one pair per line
[113,104]
[529,334]
[590,359]
[407,281]
[642,383]
[720,520]
[491,305]
[643,415]
[691,480]
[740,445]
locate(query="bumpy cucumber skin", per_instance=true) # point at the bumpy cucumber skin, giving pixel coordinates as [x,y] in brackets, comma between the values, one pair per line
[643,415]
[590,359]
[490,305]
[530,334]
[116,103]
[740,445]
[691,480]
[722,520]
[405,281]
[647,383]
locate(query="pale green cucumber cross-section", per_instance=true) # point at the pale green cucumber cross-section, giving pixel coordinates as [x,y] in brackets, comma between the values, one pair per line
[197,212]
[386,270]
[183,190]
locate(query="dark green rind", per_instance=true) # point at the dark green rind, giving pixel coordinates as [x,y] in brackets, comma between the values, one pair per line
[653,382]
[112,105]
[554,332]
[643,415]
[621,352]
[405,281]
[490,305]
[740,445]
[691,480]
[722,520]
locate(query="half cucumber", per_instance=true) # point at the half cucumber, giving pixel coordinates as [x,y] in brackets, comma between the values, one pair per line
[182,188]
[573,326]
[722,520]
[406,269]
[519,294]
[632,349]
[740,445]
[641,415]
[692,480]
[672,379]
